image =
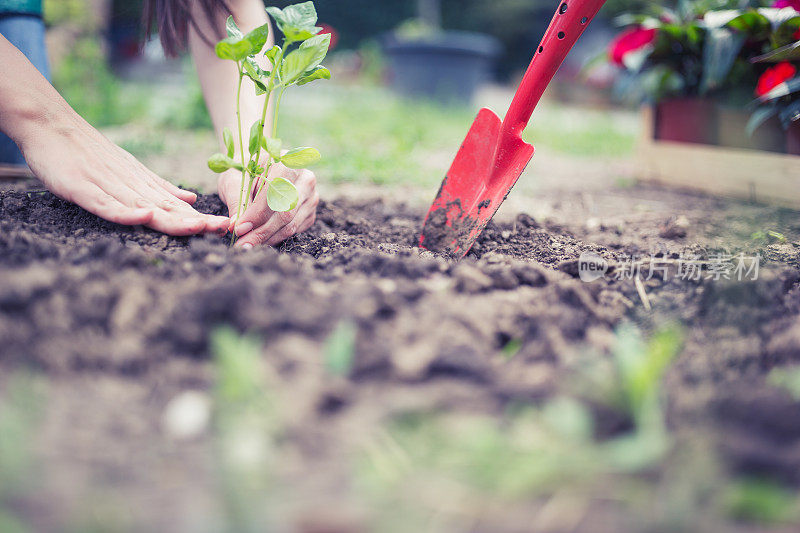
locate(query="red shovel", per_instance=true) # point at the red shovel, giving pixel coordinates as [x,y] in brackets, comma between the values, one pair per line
[494,155]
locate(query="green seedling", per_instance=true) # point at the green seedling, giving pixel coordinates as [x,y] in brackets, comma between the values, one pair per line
[340,349]
[761,501]
[787,379]
[767,236]
[297,62]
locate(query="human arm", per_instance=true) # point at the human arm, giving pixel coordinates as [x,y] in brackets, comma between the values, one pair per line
[80,165]
[219,80]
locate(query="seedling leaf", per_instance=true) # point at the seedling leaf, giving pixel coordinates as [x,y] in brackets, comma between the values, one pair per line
[233,49]
[232,29]
[272,146]
[301,157]
[319,73]
[258,38]
[253,70]
[306,58]
[227,137]
[272,53]
[238,361]
[297,22]
[282,195]
[256,131]
[219,163]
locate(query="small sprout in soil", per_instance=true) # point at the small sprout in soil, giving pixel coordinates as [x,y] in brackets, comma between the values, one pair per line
[512,348]
[641,367]
[760,501]
[768,236]
[340,349]
[239,364]
[297,62]
[787,379]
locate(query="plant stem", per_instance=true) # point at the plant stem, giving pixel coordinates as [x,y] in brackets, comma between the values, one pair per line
[274,135]
[241,146]
[275,114]
[275,66]
[257,155]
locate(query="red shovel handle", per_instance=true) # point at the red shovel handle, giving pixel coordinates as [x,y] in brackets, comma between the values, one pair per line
[571,19]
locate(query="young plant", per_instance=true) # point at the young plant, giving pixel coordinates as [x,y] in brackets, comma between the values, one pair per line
[297,62]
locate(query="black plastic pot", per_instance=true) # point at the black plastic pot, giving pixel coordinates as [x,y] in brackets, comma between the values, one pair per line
[448,67]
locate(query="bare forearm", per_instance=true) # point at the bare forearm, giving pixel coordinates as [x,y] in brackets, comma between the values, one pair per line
[218,78]
[75,162]
[28,103]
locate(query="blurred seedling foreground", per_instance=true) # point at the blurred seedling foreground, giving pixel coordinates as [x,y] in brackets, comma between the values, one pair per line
[598,449]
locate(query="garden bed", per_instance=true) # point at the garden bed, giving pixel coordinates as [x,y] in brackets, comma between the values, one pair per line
[117,322]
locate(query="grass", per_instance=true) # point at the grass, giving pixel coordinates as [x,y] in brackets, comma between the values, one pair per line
[367,135]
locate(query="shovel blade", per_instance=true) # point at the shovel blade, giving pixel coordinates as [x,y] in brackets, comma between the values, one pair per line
[484,171]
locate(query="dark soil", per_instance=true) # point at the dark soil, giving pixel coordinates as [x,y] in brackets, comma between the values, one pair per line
[118,321]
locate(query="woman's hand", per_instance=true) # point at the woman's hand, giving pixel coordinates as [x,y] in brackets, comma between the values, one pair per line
[78,164]
[260,224]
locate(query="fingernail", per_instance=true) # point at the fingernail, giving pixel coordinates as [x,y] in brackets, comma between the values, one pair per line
[247,246]
[244,229]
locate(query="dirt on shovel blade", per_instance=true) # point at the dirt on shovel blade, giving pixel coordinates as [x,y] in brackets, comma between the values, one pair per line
[392,386]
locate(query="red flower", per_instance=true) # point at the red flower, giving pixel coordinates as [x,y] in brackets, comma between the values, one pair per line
[334,35]
[632,40]
[795,4]
[774,76]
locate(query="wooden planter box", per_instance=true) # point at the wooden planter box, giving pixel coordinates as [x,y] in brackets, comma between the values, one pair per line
[740,173]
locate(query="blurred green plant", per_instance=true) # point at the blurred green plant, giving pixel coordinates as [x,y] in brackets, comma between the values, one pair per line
[188,111]
[535,451]
[75,12]
[88,85]
[21,404]
[245,426]
[340,349]
[697,48]
[768,236]
[761,501]
[787,379]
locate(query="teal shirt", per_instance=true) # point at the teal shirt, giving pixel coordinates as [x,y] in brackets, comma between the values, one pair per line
[27,7]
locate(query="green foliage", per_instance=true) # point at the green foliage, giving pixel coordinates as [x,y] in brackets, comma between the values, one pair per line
[289,66]
[74,12]
[297,22]
[89,86]
[187,111]
[704,47]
